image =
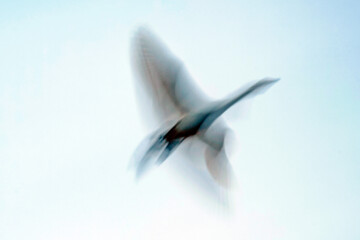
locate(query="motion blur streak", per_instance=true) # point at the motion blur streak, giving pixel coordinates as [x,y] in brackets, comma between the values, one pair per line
[183,112]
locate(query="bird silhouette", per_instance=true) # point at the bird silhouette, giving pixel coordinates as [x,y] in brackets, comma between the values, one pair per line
[182,109]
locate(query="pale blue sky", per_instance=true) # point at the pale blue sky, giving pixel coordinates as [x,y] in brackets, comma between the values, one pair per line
[67,104]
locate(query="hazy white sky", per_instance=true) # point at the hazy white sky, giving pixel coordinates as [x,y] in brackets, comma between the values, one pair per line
[69,119]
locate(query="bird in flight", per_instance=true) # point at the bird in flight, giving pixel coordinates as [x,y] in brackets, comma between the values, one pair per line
[183,111]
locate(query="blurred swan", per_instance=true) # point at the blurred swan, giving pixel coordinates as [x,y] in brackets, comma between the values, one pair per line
[183,112]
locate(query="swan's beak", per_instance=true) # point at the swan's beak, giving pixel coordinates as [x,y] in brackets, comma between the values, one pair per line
[274,80]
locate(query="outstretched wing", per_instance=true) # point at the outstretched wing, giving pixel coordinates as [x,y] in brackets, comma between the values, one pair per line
[164,77]
[173,93]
